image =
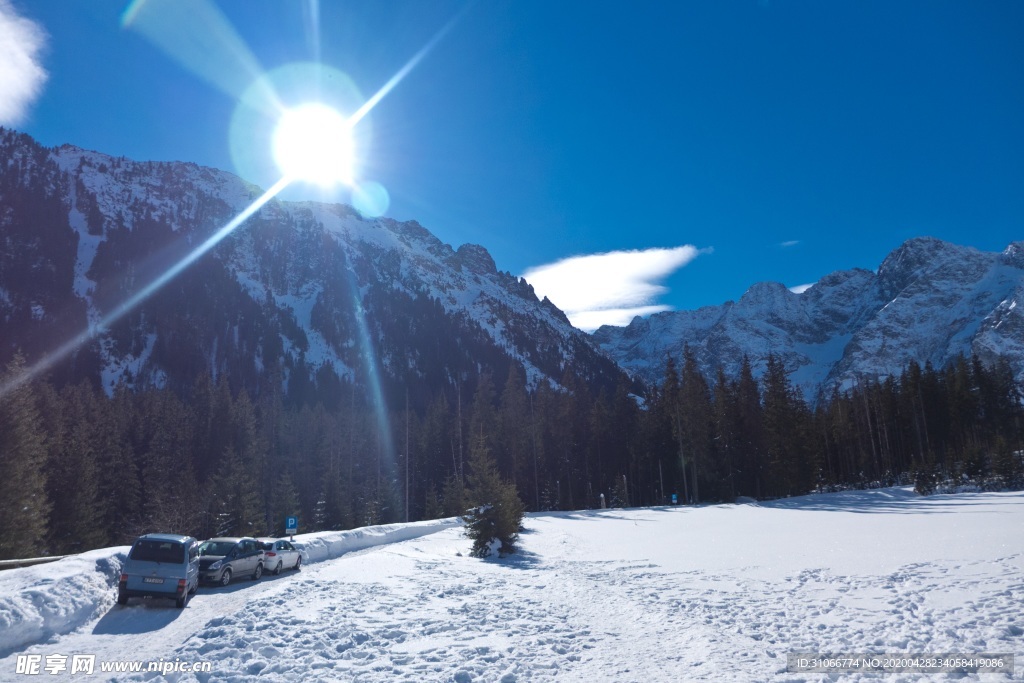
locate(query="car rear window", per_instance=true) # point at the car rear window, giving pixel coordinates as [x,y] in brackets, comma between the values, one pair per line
[158,551]
[216,548]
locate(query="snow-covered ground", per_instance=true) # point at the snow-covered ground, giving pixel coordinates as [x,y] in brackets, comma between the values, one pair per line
[719,593]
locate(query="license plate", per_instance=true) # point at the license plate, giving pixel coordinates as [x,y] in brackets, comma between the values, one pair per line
[150,579]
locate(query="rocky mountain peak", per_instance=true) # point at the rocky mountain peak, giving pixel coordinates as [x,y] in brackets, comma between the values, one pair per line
[476,259]
[916,258]
[1014,254]
[773,294]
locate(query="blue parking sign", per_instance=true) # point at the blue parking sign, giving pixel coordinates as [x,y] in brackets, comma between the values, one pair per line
[291,525]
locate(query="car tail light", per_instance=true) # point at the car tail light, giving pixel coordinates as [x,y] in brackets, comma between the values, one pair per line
[124,578]
[270,554]
[181,585]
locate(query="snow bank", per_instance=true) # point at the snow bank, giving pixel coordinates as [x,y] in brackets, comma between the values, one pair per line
[40,602]
[326,545]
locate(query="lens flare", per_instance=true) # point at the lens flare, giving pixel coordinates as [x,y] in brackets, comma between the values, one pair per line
[257,121]
[104,324]
[197,35]
[370,198]
[314,143]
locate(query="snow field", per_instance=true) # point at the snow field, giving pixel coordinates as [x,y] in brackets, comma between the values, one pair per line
[716,593]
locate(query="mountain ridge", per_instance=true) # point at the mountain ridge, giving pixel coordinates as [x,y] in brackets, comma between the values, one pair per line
[929,301]
[320,288]
[299,285]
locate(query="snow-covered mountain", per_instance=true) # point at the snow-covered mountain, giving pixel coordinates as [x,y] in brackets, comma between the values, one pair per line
[312,291]
[929,301]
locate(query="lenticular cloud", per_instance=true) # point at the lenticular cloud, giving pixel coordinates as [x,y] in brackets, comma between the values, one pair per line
[21,74]
[609,288]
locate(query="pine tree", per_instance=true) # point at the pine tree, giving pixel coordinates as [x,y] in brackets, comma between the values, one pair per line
[235,504]
[1007,465]
[75,520]
[170,498]
[435,442]
[671,397]
[620,494]
[786,422]
[697,419]
[751,465]
[726,431]
[513,442]
[483,418]
[925,478]
[453,497]
[497,512]
[119,490]
[432,508]
[284,502]
[24,506]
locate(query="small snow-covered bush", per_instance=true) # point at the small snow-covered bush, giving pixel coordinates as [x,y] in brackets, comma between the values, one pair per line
[925,480]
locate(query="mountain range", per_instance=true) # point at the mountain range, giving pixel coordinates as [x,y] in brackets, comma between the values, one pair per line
[312,294]
[309,293]
[928,302]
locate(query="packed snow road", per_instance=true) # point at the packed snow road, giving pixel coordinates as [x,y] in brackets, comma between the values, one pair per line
[713,593]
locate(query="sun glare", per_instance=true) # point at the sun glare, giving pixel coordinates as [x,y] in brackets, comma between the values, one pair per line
[313,142]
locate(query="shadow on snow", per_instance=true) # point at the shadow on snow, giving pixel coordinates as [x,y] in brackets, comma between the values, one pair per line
[900,500]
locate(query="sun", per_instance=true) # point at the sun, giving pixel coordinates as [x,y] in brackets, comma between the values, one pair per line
[313,142]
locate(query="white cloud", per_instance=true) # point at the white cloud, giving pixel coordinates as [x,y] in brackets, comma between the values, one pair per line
[800,289]
[620,317]
[610,288]
[21,74]
[789,243]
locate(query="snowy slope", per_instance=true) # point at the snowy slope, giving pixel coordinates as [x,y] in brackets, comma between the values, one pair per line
[300,285]
[929,301]
[665,594]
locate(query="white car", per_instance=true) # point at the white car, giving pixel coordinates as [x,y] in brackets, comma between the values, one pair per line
[279,554]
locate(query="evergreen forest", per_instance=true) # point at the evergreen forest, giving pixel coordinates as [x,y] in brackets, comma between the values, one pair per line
[81,468]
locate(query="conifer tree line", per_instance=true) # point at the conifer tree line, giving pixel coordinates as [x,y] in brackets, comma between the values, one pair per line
[81,469]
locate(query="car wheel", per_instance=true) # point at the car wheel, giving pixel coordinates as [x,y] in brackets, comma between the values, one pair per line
[258,573]
[298,563]
[122,599]
[277,569]
[182,601]
[225,578]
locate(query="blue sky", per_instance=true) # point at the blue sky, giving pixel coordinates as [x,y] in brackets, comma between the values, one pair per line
[741,141]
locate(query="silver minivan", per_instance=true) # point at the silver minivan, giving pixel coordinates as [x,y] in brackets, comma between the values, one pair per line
[160,566]
[221,559]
